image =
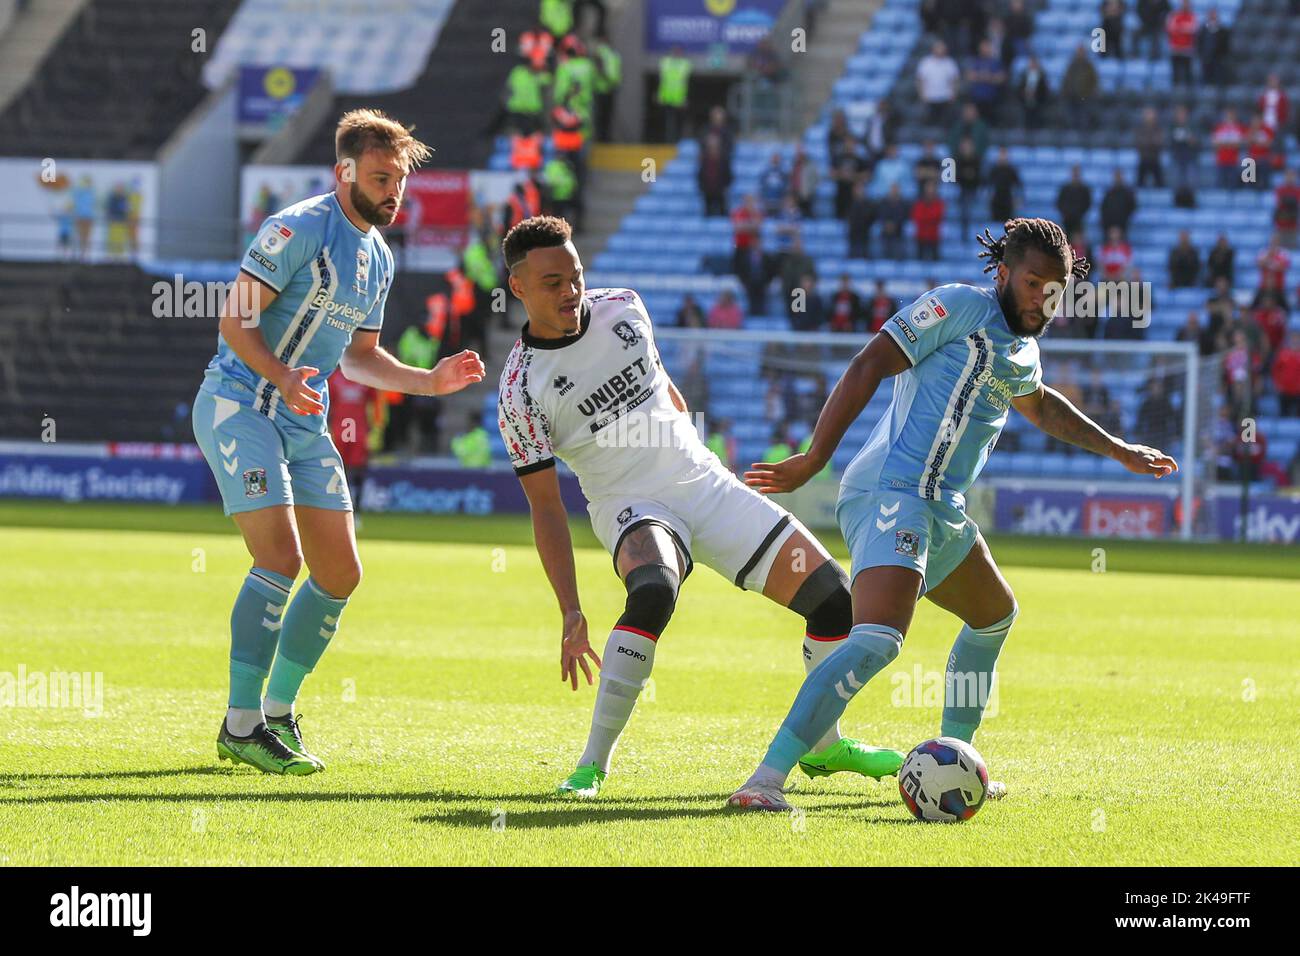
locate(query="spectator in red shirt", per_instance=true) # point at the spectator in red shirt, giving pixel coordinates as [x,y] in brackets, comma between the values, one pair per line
[1270,317]
[1273,262]
[1181,29]
[1116,256]
[1274,106]
[1227,138]
[350,428]
[1287,210]
[726,313]
[846,307]
[927,220]
[1286,375]
[746,222]
[1259,147]
[880,308]
[1240,371]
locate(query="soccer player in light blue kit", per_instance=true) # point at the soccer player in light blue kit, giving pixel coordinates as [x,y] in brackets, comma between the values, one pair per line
[964,356]
[309,297]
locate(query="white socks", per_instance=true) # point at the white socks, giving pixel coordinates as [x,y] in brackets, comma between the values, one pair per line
[815,651]
[625,669]
[276,708]
[241,721]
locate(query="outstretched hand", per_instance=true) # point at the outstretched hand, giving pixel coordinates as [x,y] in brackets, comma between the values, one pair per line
[575,649]
[773,478]
[1145,460]
[457,371]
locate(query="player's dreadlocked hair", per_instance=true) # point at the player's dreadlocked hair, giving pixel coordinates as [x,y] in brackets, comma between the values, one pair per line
[537,232]
[1021,235]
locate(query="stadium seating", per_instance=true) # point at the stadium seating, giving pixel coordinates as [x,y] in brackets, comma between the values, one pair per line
[88,337]
[662,248]
[117,83]
[454,97]
[383,53]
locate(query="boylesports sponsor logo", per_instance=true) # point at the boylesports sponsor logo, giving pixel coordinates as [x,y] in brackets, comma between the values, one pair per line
[335,311]
[995,390]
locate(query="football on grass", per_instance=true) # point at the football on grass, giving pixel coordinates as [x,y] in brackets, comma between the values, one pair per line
[943,780]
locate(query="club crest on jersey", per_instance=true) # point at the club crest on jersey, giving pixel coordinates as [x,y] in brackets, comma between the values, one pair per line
[624,516]
[629,335]
[1015,346]
[363,272]
[907,543]
[274,238]
[255,483]
[563,384]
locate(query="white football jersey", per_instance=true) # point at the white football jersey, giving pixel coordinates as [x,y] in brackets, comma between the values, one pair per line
[599,401]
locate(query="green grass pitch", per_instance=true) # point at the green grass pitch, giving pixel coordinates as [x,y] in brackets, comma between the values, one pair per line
[1146,714]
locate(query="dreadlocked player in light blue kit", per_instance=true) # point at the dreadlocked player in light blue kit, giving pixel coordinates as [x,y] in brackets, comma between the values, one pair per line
[964,356]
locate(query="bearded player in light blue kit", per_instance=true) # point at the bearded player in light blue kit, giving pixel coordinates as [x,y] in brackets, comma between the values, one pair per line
[963,356]
[309,297]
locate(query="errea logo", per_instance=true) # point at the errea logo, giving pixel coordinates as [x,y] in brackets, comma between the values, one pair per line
[563,384]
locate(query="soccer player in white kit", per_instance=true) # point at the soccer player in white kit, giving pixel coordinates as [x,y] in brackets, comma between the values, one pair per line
[585,384]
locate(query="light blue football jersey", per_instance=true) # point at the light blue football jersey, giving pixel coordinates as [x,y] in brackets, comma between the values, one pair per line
[331,279]
[950,406]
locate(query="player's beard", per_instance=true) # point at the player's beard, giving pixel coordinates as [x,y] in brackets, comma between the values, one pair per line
[375,215]
[1011,312]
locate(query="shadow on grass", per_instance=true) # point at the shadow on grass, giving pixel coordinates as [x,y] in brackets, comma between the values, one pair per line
[9,779]
[477,816]
[612,811]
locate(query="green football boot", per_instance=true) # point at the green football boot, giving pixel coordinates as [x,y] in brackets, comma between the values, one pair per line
[584,783]
[854,756]
[286,728]
[263,750]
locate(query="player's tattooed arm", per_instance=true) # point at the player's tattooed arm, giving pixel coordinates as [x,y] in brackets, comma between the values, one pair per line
[1054,414]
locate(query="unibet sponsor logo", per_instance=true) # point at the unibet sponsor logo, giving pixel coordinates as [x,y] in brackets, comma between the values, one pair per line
[617,389]
[631,653]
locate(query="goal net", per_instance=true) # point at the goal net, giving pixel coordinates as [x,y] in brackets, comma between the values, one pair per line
[758,393]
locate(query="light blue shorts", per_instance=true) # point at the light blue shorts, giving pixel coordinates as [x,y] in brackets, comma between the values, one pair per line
[902,530]
[259,462]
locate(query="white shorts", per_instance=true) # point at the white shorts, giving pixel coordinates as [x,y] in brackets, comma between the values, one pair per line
[714,517]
